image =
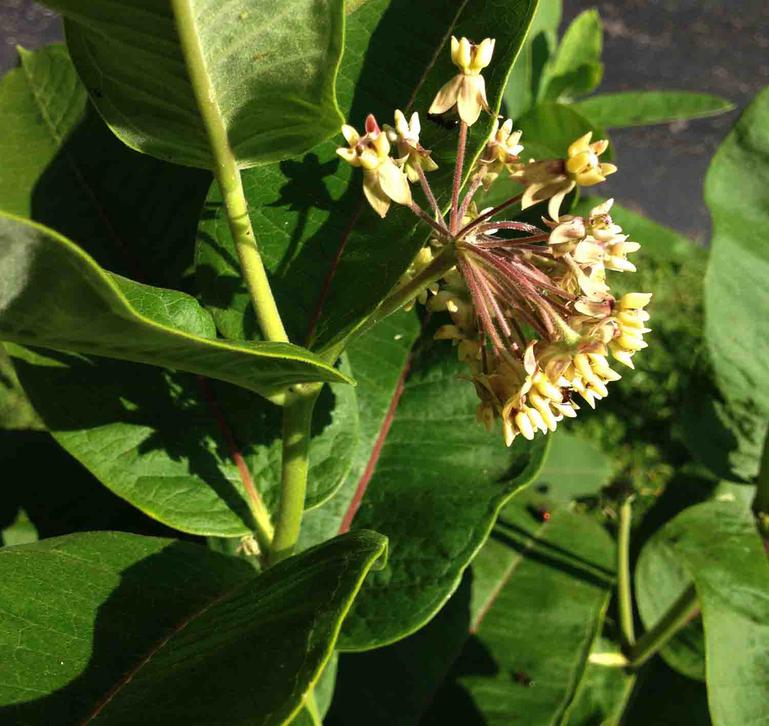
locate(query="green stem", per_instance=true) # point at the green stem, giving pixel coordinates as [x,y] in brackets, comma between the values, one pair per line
[228,175]
[624,588]
[651,642]
[761,499]
[297,419]
[406,293]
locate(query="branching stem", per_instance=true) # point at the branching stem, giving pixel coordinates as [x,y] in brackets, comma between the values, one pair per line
[488,215]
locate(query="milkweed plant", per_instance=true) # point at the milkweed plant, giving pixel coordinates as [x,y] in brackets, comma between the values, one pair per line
[310,316]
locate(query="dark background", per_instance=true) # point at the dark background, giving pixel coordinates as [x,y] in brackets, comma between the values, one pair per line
[718,46]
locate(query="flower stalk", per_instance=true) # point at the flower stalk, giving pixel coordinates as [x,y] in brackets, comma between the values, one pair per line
[624,587]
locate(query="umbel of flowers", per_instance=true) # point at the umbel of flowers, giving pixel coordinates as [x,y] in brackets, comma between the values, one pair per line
[532,312]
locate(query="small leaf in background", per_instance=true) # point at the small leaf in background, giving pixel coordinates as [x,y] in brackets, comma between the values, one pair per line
[20,531]
[643,108]
[107,625]
[35,260]
[718,546]
[437,481]
[576,67]
[727,426]
[523,84]
[331,258]
[510,646]
[267,77]
[550,128]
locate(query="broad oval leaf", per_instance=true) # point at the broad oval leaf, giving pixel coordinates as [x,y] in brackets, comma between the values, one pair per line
[185,450]
[643,108]
[103,626]
[660,579]
[510,646]
[62,167]
[331,258]
[263,78]
[54,295]
[727,429]
[434,483]
[718,545]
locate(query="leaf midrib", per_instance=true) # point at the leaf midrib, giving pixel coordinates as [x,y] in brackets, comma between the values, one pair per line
[153,651]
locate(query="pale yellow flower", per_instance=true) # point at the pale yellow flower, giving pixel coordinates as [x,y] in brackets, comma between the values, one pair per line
[405,136]
[466,91]
[383,180]
[554,179]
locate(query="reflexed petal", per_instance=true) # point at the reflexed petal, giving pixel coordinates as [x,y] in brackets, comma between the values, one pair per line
[394,182]
[375,195]
[350,134]
[446,98]
[469,102]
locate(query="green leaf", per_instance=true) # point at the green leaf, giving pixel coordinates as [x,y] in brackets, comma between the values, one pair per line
[50,287]
[379,360]
[434,484]
[523,84]
[576,68]
[512,641]
[643,108]
[728,428]
[108,625]
[603,692]
[718,546]
[331,258]
[265,78]
[61,166]
[181,448]
[574,468]
[660,579]
[16,412]
[552,127]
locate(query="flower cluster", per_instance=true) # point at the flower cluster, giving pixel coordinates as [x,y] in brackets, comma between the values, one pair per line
[532,312]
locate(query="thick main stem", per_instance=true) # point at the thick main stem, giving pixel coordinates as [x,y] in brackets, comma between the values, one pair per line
[651,642]
[228,175]
[454,221]
[297,420]
[624,589]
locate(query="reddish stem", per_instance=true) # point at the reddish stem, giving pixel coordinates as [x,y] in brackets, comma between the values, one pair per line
[461,144]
